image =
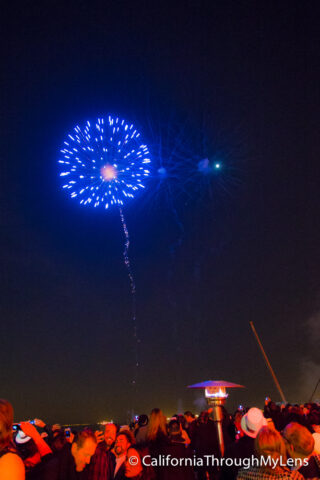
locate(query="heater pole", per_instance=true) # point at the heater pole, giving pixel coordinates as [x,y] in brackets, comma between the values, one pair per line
[268,363]
[217,415]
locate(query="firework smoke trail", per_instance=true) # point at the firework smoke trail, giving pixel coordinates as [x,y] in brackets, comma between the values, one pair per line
[133,295]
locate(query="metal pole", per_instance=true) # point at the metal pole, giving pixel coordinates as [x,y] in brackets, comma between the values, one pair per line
[314,391]
[268,363]
[218,417]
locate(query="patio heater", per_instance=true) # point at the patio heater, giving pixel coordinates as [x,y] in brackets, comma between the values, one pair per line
[216,394]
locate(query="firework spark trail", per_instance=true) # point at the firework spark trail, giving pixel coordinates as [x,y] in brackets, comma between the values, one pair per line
[133,295]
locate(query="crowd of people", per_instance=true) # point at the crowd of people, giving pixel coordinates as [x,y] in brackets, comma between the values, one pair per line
[281,442]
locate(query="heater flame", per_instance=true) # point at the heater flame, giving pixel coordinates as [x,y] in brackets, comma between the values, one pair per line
[215,392]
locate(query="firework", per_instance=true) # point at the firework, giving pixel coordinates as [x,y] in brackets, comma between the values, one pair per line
[105,163]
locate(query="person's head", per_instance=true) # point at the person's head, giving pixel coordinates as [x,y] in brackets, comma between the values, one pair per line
[59,441]
[189,416]
[110,433]
[133,465]
[123,442]
[299,441]
[27,449]
[272,406]
[203,417]
[252,422]
[6,421]
[295,415]
[143,420]
[270,444]
[82,449]
[314,420]
[174,428]
[56,429]
[157,424]
[180,418]
[316,437]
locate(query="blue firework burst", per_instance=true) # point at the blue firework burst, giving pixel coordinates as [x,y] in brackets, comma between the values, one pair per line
[104,163]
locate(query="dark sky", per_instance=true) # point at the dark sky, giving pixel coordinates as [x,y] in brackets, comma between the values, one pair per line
[243,79]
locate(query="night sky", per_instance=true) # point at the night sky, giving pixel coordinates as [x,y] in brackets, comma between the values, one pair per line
[238,81]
